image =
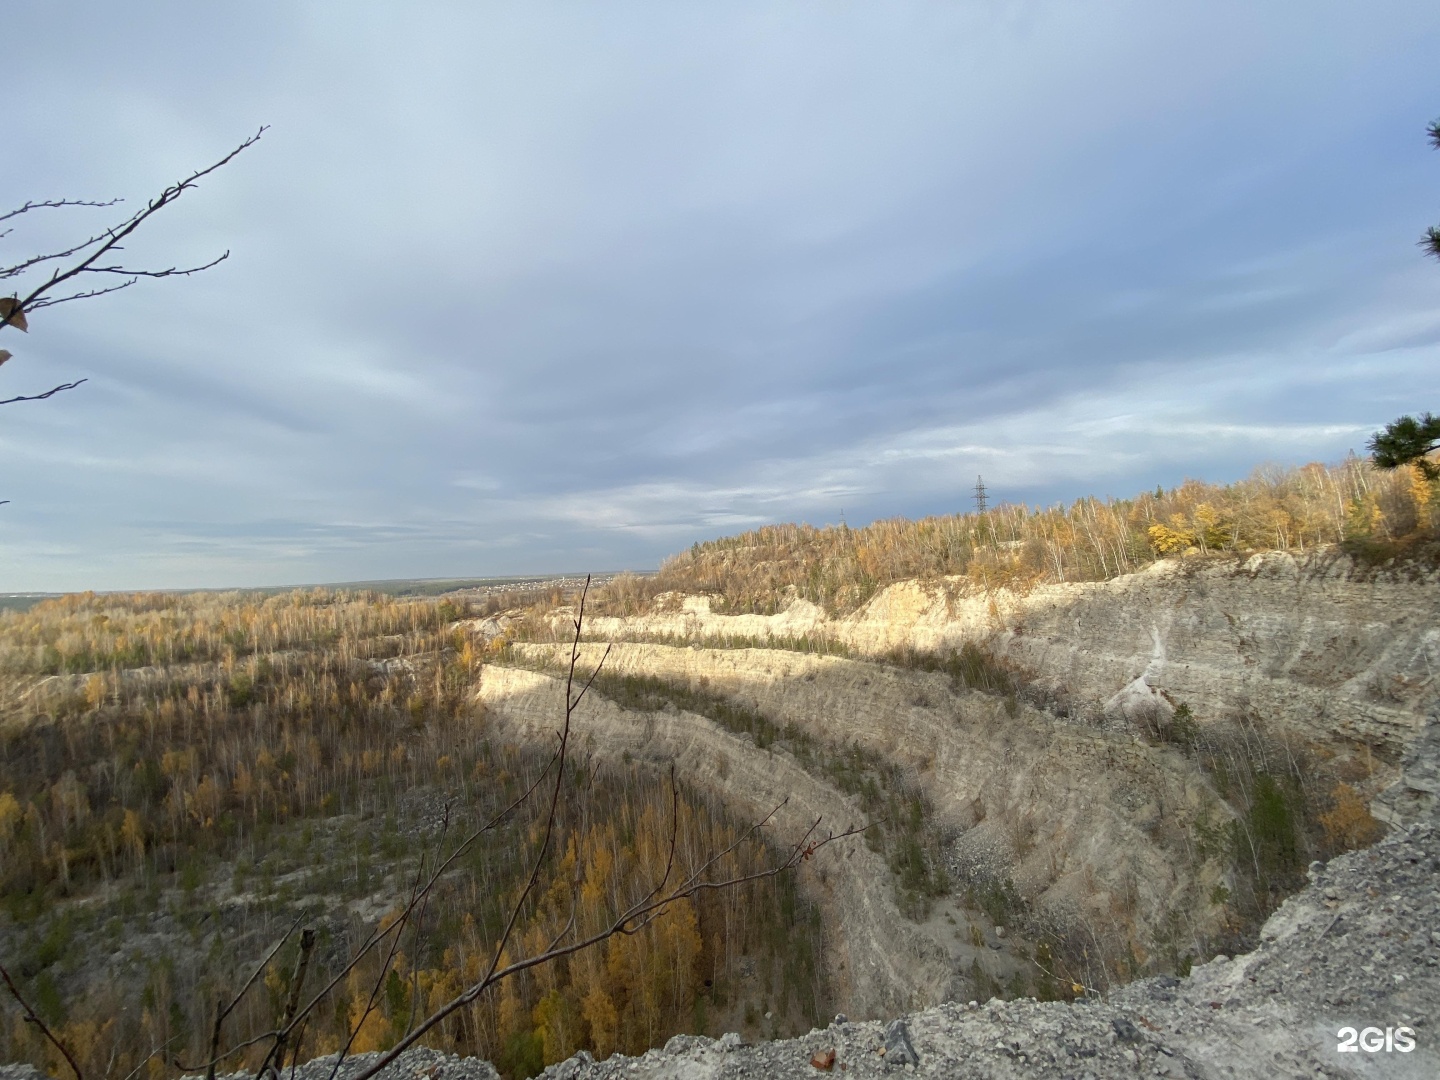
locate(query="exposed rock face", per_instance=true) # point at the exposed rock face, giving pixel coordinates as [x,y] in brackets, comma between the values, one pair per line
[1415,795]
[1318,645]
[1091,826]
[1078,811]
[1330,648]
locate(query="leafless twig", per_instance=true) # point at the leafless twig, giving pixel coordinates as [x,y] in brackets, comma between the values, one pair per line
[32,1017]
[380,934]
[51,301]
[48,393]
[50,204]
[277,1052]
[222,1009]
[400,923]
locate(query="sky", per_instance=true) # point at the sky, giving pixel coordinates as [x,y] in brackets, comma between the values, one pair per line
[543,287]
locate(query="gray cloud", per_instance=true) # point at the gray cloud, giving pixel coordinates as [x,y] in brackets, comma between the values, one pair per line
[518,289]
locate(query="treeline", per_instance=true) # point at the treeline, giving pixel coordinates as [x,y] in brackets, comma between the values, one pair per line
[197,808]
[1375,514]
[87,632]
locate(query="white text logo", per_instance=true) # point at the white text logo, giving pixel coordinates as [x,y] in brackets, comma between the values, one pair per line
[1373,1040]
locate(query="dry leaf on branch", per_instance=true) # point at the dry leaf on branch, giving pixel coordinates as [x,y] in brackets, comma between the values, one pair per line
[5,354]
[8,305]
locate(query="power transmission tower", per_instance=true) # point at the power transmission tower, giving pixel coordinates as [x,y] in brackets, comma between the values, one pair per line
[981,501]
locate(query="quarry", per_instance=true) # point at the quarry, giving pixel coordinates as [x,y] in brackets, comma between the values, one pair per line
[1079,813]
[1058,797]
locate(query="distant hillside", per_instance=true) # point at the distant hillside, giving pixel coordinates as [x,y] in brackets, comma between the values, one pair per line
[23,601]
[1376,515]
[397,587]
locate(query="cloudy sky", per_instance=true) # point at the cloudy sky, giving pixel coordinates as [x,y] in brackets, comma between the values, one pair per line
[535,287]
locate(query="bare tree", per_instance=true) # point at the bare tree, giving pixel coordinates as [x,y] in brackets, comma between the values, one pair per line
[69,268]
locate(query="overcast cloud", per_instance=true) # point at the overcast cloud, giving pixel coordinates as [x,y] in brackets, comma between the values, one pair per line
[538,287]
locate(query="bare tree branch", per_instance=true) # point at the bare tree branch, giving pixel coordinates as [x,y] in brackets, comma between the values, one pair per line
[570,705]
[48,393]
[113,237]
[639,916]
[299,1042]
[50,204]
[145,1060]
[417,939]
[32,1017]
[277,1052]
[379,934]
[172,272]
[98,245]
[50,301]
[400,923]
[36,260]
[223,1010]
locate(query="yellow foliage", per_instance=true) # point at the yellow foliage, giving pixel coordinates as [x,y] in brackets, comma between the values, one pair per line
[204,802]
[439,986]
[10,816]
[132,834]
[557,1024]
[244,781]
[69,798]
[176,762]
[1422,494]
[186,752]
[1422,488]
[1213,531]
[372,1032]
[512,1012]
[85,1039]
[1016,546]
[600,1014]
[1168,541]
[1349,824]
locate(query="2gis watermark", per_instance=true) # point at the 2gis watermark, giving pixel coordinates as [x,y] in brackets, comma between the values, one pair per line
[1374,1040]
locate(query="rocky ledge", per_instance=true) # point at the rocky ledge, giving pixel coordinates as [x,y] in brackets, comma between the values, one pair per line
[1358,948]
